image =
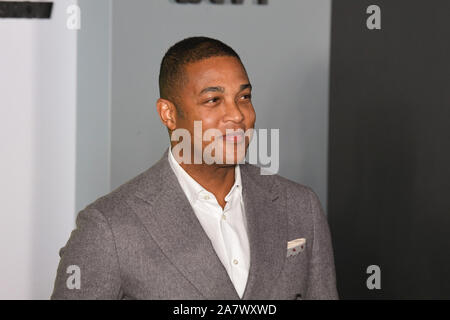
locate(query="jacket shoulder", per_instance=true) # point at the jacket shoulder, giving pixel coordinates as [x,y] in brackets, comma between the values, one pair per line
[268,180]
[118,198]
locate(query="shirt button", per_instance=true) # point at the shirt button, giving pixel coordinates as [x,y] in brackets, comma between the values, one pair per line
[206,197]
[224,217]
[235,261]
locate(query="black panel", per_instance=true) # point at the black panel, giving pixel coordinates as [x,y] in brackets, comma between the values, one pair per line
[25,9]
[389,154]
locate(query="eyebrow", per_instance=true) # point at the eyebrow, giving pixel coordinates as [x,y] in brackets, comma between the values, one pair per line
[212,89]
[245,86]
[222,89]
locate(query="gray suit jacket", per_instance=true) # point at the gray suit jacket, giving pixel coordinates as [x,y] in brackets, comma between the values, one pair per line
[143,241]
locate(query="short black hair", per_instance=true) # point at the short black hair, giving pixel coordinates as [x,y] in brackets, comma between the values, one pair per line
[189,50]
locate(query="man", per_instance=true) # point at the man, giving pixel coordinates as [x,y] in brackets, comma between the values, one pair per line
[189,229]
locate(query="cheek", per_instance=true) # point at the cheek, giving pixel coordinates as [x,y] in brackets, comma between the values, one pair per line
[250,117]
[210,121]
[185,124]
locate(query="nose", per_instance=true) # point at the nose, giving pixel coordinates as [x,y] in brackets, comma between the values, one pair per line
[233,112]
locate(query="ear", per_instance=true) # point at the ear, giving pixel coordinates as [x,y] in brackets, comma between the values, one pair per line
[167,113]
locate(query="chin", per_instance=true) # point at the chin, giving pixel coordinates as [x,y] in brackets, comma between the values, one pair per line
[230,155]
[234,158]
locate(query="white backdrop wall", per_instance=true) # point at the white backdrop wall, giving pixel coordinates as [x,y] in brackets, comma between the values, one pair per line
[17,90]
[37,144]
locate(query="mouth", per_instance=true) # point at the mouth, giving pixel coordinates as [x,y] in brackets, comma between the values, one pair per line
[234,137]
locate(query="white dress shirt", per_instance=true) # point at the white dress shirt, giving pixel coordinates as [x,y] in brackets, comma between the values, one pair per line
[226,228]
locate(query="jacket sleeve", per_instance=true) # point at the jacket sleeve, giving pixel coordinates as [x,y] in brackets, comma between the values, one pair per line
[89,267]
[322,277]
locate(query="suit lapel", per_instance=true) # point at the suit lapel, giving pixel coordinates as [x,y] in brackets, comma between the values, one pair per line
[171,221]
[169,218]
[267,232]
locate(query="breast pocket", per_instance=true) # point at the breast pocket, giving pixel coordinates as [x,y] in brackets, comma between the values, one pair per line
[295,251]
[297,259]
[294,247]
[295,272]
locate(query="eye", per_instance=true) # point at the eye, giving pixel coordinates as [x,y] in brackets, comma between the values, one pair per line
[246,96]
[212,100]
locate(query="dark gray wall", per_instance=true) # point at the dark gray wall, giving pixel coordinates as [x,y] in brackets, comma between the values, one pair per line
[389,156]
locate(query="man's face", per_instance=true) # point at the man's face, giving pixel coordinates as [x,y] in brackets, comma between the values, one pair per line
[218,93]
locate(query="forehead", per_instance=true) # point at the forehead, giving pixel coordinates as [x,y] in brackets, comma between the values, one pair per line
[224,71]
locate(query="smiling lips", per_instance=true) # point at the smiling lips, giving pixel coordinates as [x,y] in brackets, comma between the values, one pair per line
[235,137]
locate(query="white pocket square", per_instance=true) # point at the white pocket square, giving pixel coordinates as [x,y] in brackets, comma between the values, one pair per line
[295,246]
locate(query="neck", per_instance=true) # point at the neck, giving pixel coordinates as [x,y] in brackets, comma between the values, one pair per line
[215,178]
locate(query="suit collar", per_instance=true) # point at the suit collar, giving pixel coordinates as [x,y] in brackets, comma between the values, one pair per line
[167,215]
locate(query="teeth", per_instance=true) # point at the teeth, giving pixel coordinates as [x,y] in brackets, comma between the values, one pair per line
[235,134]
[234,137]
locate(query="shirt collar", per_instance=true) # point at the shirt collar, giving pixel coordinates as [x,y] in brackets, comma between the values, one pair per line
[192,188]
